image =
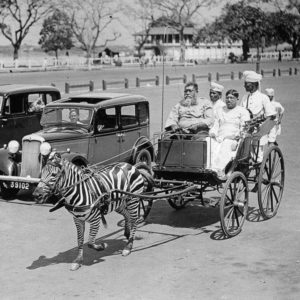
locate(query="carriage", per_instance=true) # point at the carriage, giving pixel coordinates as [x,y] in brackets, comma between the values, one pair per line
[182,174]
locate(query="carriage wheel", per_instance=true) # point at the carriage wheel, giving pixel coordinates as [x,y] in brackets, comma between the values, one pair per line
[270,182]
[234,204]
[177,202]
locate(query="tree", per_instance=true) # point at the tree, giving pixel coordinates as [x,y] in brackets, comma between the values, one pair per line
[245,23]
[18,17]
[181,13]
[143,11]
[56,33]
[287,27]
[89,21]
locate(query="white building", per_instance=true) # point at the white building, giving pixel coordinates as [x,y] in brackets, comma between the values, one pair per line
[167,39]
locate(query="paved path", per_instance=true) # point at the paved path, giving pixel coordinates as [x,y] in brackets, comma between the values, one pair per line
[177,255]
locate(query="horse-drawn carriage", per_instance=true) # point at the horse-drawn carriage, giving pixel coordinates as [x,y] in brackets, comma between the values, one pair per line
[182,174]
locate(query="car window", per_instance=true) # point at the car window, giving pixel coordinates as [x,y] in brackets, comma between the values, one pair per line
[66,116]
[143,113]
[128,116]
[15,104]
[36,102]
[106,120]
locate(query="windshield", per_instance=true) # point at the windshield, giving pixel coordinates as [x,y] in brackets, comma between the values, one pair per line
[62,116]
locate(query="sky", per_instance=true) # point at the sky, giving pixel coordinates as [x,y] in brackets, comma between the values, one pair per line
[127,28]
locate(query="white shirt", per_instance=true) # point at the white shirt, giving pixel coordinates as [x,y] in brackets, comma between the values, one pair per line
[258,103]
[229,122]
[216,105]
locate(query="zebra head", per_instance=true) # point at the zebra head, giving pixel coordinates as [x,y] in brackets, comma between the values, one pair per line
[46,190]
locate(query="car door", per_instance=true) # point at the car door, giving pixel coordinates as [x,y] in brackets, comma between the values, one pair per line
[14,122]
[104,145]
[133,124]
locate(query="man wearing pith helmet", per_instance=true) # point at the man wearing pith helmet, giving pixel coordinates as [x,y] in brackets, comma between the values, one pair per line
[215,94]
[256,102]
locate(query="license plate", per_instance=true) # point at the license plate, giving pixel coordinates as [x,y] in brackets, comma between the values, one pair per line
[19,185]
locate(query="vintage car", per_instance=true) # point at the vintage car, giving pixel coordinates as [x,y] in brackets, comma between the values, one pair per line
[92,128]
[19,115]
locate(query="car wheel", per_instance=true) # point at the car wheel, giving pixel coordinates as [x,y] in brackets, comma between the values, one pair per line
[144,157]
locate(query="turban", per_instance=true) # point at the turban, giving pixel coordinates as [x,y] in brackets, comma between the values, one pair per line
[270,92]
[216,87]
[251,76]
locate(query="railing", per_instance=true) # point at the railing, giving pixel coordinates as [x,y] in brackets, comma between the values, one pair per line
[180,79]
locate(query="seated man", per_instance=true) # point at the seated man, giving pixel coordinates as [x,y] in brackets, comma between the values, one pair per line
[74,116]
[226,131]
[192,113]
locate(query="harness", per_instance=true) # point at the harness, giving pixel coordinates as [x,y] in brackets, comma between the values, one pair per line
[98,202]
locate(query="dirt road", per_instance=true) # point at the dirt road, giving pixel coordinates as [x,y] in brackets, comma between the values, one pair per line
[177,255]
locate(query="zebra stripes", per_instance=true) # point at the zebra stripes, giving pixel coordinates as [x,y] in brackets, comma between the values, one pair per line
[83,193]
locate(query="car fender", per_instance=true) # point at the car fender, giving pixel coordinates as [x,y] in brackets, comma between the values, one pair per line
[7,165]
[76,158]
[143,143]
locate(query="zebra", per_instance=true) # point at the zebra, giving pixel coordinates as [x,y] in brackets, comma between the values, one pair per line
[85,194]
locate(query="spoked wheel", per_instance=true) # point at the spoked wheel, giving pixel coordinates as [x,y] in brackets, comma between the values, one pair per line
[177,202]
[270,182]
[234,204]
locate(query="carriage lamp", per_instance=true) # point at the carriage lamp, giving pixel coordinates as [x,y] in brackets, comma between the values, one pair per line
[13,146]
[45,148]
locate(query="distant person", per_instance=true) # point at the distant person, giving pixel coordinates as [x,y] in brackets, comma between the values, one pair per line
[276,130]
[279,56]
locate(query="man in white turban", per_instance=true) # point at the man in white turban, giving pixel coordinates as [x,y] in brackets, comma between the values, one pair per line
[215,94]
[276,130]
[257,103]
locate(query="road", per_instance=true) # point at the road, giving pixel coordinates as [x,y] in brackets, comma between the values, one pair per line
[177,254]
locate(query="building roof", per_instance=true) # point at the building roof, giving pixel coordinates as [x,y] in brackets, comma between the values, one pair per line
[164,30]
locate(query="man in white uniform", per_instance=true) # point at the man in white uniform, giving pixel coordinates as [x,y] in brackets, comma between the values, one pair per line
[215,94]
[276,130]
[257,103]
[226,131]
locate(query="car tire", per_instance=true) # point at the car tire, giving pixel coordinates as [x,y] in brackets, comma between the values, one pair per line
[143,156]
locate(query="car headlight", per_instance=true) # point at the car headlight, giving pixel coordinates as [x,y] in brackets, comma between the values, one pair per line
[13,147]
[45,148]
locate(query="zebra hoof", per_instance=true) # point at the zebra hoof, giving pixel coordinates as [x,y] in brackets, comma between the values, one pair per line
[75,266]
[99,247]
[126,252]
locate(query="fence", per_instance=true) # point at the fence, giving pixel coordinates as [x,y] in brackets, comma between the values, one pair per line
[181,79]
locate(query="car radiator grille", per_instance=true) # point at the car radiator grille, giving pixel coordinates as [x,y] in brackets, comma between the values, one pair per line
[31,162]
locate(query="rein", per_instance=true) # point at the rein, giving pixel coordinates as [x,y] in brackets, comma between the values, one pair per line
[72,208]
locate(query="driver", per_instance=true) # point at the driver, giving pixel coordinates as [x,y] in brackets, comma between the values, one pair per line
[74,116]
[192,113]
